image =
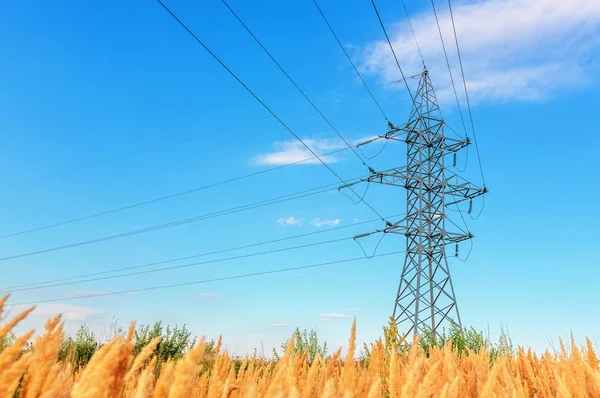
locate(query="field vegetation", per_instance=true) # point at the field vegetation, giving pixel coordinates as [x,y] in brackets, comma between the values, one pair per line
[157,361]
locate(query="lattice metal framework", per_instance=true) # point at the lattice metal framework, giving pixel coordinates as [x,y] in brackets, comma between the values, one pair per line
[425,298]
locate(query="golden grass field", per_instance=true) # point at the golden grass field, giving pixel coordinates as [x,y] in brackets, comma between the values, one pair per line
[114,372]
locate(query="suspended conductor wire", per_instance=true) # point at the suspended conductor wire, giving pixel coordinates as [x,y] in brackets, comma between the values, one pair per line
[466,92]
[267,202]
[480,211]
[383,234]
[226,278]
[173,267]
[263,104]
[449,69]
[413,34]
[350,60]
[159,199]
[44,284]
[293,82]
[464,260]
[361,198]
[377,154]
[159,147]
[392,48]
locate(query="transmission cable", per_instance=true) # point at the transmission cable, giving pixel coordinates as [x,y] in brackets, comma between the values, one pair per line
[392,48]
[295,84]
[350,60]
[267,202]
[449,69]
[155,148]
[202,281]
[413,34]
[174,195]
[43,284]
[265,105]
[173,267]
[466,92]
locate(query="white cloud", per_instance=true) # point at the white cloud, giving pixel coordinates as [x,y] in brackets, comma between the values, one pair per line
[290,221]
[69,312]
[511,49]
[317,222]
[80,293]
[333,315]
[83,293]
[209,295]
[291,151]
[279,325]
[355,219]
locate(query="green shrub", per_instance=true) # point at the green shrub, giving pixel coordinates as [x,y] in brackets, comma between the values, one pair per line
[305,342]
[173,344]
[81,348]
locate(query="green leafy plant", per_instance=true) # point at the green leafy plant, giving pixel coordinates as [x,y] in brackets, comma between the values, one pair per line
[305,342]
[173,344]
[80,348]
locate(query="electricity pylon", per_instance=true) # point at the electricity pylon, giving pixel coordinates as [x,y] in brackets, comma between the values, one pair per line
[425,298]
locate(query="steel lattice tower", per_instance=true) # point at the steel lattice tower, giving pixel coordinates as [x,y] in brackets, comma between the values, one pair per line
[425,298]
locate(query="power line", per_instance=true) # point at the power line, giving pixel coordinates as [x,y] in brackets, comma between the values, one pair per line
[151,149]
[239,276]
[264,105]
[159,199]
[449,69]
[392,48]
[267,202]
[466,92]
[43,284]
[125,156]
[413,34]
[350,60]
[220,260]
[293,82]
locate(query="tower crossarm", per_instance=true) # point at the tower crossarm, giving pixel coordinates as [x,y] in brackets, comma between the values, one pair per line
[455,145]
[394,133]
[450,145]
[442,236]
[393,176]
[461,190]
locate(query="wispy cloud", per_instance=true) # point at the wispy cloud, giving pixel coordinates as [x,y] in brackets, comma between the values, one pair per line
[290,221]
[279,325]
[209,295]
[83,293]
[292,151]
[511,49]
[317,222]
[333,315]
[69,312]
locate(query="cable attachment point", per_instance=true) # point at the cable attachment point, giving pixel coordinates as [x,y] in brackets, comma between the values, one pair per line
[390,125]
[456,251]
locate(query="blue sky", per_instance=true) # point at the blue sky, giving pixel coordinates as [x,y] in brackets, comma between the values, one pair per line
[82,83]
